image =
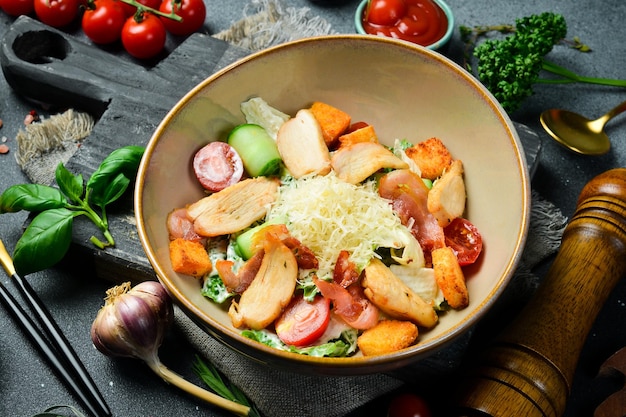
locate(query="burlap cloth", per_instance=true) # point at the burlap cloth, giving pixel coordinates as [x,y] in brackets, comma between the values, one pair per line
[277,392]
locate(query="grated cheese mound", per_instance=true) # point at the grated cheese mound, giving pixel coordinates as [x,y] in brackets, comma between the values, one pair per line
[329,215]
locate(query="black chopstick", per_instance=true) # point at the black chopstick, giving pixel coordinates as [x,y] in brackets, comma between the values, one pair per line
[30,328]
[54,346]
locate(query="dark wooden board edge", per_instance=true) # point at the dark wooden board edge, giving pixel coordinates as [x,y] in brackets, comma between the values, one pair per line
[132,122]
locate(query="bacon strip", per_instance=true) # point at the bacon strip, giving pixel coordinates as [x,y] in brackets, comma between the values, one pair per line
[351,305]
[180,226]
[345,272]
[240,281]
[409,198]
[304,256]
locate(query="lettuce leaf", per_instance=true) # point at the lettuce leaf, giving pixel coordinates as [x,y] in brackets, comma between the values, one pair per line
[345,345]
[213,286]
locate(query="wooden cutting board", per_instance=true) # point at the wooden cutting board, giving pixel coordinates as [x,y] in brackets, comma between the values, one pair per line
[128,100]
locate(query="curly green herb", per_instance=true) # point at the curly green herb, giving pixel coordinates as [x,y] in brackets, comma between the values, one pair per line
[509,67]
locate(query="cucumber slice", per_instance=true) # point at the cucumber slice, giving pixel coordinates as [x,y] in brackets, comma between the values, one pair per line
[257,150]
[243,242]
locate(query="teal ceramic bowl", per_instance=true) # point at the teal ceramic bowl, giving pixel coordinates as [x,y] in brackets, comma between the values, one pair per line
[437,45]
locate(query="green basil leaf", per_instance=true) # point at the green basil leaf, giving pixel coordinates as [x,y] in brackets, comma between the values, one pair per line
[114,190]
[71,185]
[124,160]
[31,197]
[45,241]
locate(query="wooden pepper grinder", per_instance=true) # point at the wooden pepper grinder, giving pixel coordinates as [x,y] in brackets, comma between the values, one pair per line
[528,369]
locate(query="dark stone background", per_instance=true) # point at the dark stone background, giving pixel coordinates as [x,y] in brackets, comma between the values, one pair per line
[27,385]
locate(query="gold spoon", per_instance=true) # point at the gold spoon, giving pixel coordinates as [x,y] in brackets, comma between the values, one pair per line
[578,133]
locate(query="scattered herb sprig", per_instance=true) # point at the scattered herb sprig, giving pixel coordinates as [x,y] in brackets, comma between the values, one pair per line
[47,238]
[48,412]
[142,8]
[213,379]
[209,375]
[511,65]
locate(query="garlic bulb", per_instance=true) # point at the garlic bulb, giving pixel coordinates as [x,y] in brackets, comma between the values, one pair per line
[133,323]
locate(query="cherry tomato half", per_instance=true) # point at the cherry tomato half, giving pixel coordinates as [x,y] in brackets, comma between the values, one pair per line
[103,24]
[217,166]
[17,7]
[303,322]
[143,36]
[464,239]
[57,13]
[408,405]
[193,13]
[385,12]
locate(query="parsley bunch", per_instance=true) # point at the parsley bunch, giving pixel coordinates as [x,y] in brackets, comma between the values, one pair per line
[509,67]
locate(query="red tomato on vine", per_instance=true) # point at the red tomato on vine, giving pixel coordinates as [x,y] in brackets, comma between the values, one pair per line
[130,10]
[192,12]
[103,22]
[143,36]
[17,7]
[57,13]
[154,4]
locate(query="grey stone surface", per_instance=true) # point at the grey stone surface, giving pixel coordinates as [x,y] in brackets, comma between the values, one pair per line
[27,385]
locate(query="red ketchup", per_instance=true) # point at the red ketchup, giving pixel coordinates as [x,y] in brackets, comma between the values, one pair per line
[419,21]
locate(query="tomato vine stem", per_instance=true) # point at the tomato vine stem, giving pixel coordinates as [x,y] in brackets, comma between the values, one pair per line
[141,8]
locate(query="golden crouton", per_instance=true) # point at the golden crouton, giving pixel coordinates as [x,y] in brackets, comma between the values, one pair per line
[431,156]
[450,278]
[364,134]
[189,258]
[387,336]
[332,121]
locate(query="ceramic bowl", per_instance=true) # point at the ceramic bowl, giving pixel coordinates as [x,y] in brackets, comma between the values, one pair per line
[405,91]
[436,45]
